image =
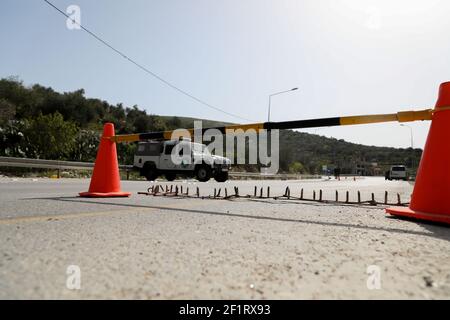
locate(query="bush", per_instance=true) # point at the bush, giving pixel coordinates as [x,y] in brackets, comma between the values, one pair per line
[296,167]
[50,137]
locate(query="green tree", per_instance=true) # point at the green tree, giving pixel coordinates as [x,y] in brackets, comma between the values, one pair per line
[12,138]
[157,123]
[174,123]
[50,137]
[85,146]
[141,124]
[7,111]
[296,167]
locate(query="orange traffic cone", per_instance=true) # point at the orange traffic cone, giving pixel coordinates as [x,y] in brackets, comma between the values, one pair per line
[105,181]
[431,195]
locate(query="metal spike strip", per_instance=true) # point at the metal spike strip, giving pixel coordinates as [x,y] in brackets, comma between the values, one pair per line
[177,191]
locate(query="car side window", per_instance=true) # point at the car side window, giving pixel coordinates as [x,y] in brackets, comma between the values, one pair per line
[168,149]
[185,149]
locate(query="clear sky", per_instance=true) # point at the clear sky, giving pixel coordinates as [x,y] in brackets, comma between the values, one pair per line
[347,57]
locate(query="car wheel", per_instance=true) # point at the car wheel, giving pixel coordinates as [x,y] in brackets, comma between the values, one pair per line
[151,173]
[203,173]
[170,176]
[221,176]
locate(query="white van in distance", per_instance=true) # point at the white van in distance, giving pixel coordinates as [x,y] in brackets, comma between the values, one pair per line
[397,172]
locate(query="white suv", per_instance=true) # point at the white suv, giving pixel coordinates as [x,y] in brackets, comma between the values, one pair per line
[155,158]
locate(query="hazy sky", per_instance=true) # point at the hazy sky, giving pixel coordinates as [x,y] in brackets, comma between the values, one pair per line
[347,57]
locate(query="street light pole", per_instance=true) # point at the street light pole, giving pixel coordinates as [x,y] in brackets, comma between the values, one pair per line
[275,94]
[268,116]
[411,132]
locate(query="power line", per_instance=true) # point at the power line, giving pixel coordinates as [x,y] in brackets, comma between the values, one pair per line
[140,66]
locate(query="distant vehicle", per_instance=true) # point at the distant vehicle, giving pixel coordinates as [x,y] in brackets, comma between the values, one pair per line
[397,172]
[154,158]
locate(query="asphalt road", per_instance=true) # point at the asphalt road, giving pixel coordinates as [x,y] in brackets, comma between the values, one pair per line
[148,247]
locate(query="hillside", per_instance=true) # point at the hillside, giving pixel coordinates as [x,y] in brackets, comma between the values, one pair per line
[187,122]
[38,122]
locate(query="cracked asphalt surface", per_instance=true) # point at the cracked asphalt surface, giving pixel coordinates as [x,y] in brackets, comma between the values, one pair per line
[147,247]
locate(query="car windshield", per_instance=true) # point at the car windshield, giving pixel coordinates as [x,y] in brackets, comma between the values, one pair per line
[398,169]
[200,148]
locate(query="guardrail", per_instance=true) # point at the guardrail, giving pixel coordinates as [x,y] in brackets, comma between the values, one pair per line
[278,176]
[52,164]
[71,165]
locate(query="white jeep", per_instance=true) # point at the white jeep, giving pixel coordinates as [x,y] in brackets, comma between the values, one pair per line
[155,158]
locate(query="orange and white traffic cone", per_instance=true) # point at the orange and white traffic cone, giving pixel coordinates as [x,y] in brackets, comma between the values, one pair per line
[431,195]
[105,181]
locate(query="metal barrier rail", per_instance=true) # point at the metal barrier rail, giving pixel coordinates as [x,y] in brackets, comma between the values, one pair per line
[278,176]
[51,164]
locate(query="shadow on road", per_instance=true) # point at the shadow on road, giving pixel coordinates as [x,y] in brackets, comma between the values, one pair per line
[436,230]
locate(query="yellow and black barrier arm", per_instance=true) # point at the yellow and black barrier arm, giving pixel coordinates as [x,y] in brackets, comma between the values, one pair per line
[404,116]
